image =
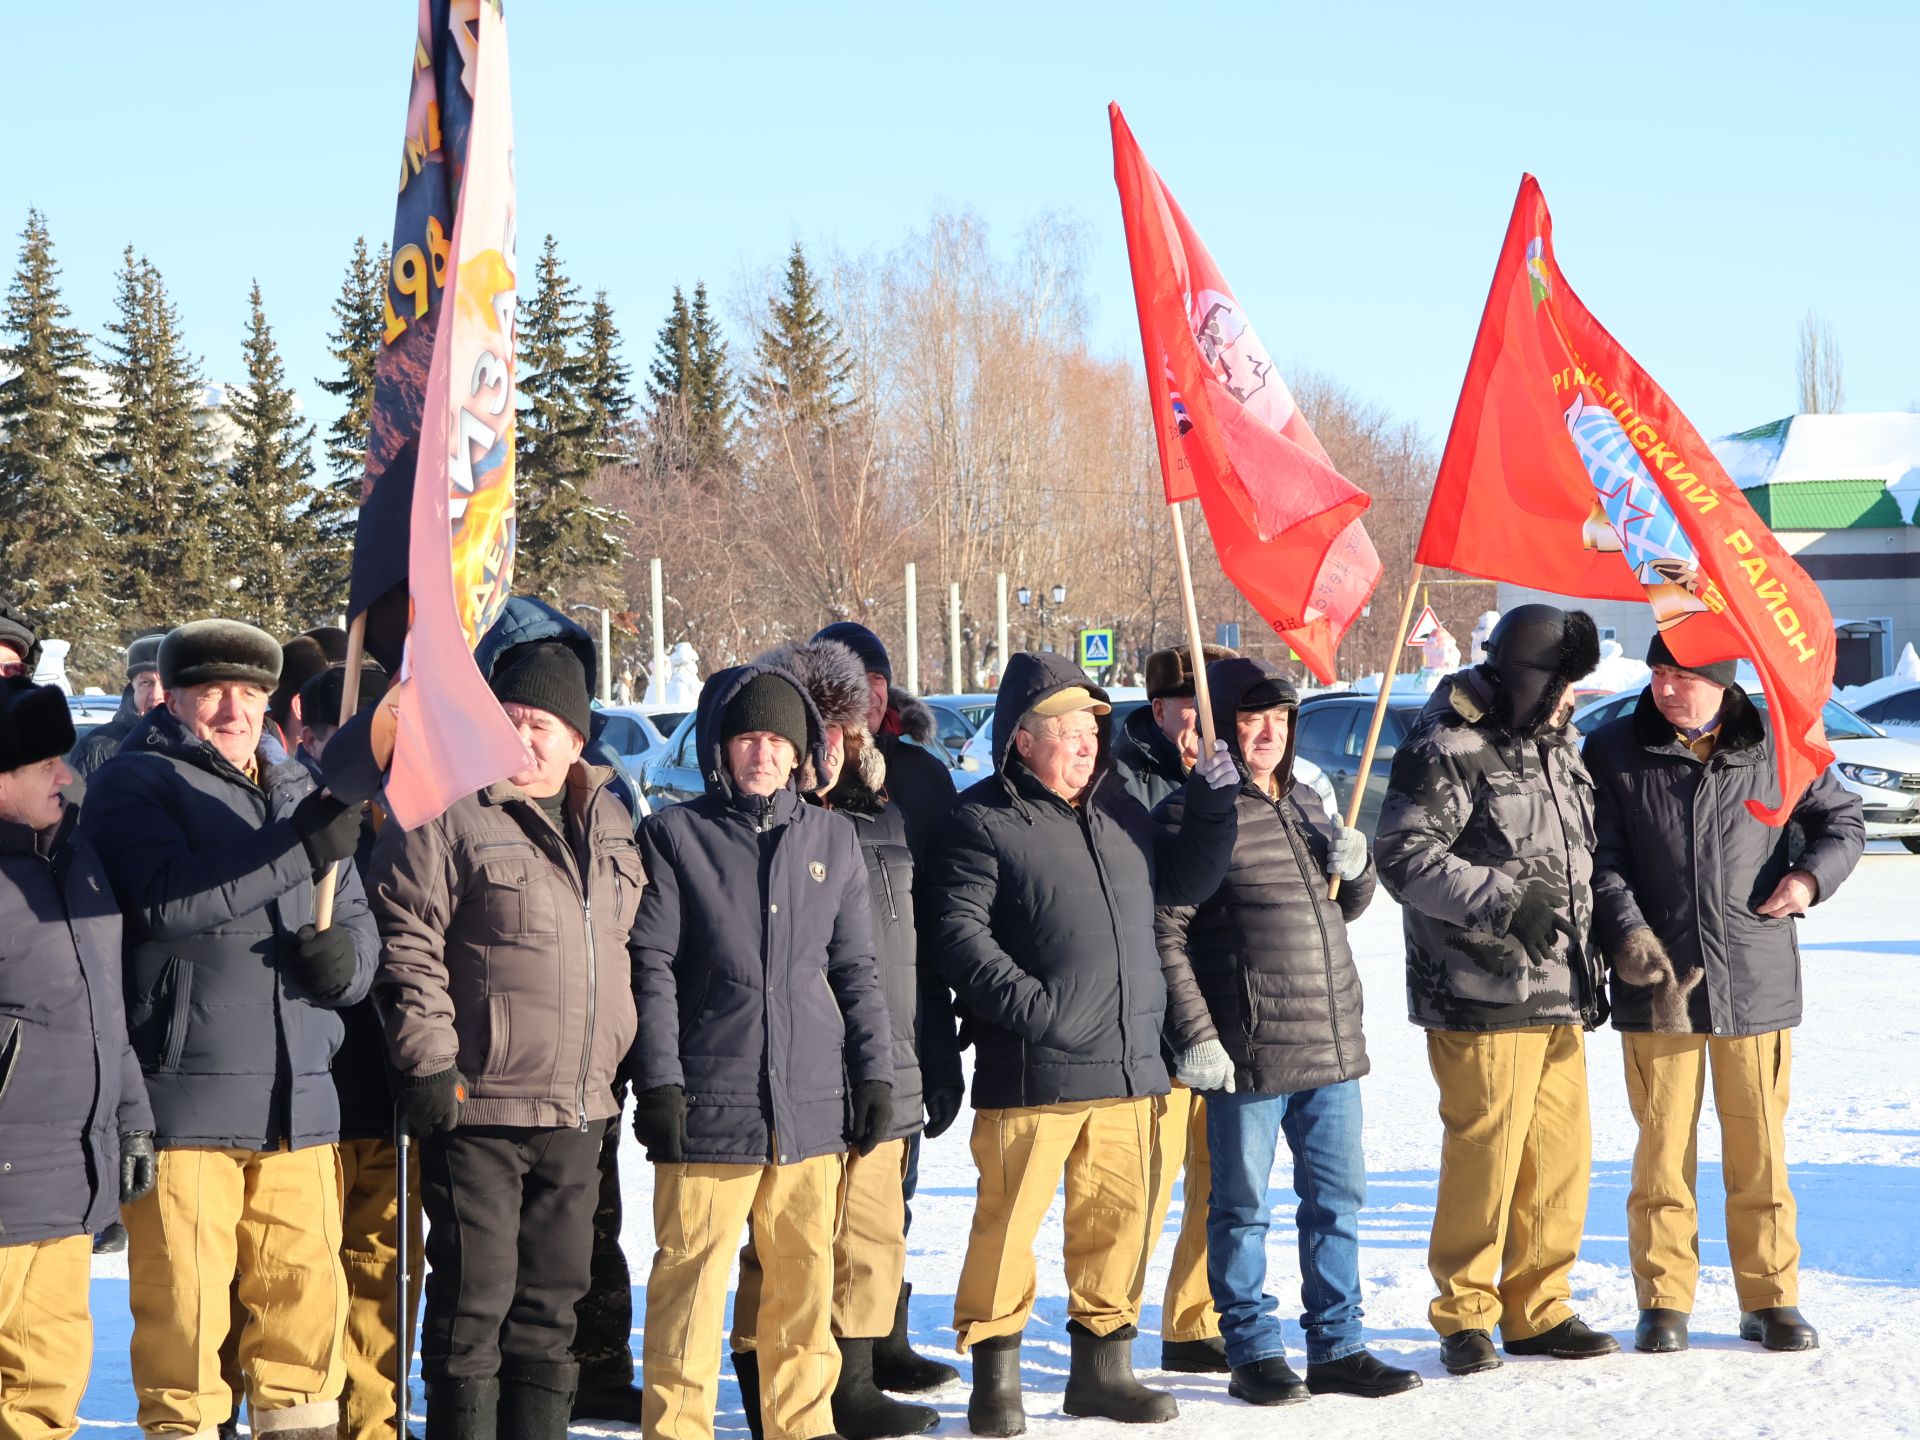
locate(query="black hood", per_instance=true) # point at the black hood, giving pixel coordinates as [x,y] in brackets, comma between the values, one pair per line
[1229,681]
[1031,678]
[720,688]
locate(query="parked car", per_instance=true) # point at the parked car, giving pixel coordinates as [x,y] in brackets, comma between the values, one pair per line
[1897,713]
[1884,772]
[1333,733]
[670,772]
[631,732]
[957,718]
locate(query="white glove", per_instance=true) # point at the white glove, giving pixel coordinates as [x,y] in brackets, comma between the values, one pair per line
[1218,769]
[1205,1066]
[1348,856]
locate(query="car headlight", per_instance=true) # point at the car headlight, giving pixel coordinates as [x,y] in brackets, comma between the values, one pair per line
[1871,775]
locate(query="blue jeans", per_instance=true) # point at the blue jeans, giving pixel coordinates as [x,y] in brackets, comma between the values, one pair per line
[1330,1177]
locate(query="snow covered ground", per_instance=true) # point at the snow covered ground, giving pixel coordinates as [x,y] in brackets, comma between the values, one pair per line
[1854,1141]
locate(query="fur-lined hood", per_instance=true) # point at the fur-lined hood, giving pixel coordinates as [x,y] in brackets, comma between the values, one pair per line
[911,717]
[836,681]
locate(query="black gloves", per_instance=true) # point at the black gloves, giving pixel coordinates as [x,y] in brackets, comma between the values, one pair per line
[1534,921]
[138,1168]
[660,1123]
[872,1114]
[320,962]
[943,1108]
[429,1102]
[328,829]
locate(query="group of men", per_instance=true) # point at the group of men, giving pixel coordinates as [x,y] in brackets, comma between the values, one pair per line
[1144,945]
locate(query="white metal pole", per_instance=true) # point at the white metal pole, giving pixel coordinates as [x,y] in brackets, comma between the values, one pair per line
[913,627]
[606,656]
[1000,623]
[957,682]
[659,617]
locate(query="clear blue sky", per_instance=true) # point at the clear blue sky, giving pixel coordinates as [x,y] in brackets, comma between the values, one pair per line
[1714,170]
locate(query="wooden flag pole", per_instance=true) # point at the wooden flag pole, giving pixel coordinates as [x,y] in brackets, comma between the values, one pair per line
[1387,672]
[1202,697]
[323,893]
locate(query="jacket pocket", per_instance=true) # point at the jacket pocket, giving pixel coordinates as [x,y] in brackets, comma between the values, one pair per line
[179,991]
[499,1034]
[12,1035]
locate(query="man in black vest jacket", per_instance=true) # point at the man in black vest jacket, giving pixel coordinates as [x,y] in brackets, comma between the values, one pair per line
[1045,877]
[1694,904]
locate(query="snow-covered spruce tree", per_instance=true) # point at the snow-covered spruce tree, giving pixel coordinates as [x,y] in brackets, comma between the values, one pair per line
[567,545]
[160,499]
[711,404]
[270,531]
[359,315]
[608,389]
[801,368]
[52,555]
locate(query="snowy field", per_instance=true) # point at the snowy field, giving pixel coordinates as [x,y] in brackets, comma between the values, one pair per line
[1854,1143]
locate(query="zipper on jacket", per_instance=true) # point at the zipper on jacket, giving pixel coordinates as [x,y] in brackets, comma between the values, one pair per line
[1296,844]
[593,994]
[1577,981]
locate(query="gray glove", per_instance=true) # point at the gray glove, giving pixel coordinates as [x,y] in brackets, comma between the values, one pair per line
[1205,1066]
[1348,856]
[1219,769]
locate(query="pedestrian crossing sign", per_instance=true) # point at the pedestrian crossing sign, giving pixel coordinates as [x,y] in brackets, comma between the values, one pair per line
[1096,649]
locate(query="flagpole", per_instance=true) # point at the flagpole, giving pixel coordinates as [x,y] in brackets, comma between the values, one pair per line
[349,702]
[1202,697]
[1387,673]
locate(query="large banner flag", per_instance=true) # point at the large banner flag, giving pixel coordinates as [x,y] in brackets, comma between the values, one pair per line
[433,549]
[1286,524]
[1568,469]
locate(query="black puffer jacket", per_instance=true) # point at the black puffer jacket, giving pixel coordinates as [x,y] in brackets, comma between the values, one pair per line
[1147,763]
[213,882]
[753,961]
[1263,964]
[70,1085]
[1679,851]
[919,783]
[94,751]
[1045,927]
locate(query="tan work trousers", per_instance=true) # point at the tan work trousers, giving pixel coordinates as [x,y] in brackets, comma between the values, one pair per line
[1105,1150]
[1513,1178]
[869,1250]
[699,1213]
[271,1219]
[46,1336]
[1666,1080]
[369,1253]
[1180,1139]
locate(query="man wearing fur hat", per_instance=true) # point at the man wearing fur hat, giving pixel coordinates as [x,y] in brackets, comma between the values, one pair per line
[764,1054]
[870,1246]
[19,643]
[214,843]
[1486,840]
[143,692]
[1694,905]
[509,1011]
[75,1128]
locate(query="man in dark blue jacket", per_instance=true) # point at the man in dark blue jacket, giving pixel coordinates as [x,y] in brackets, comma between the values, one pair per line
[764,1052]
[1044,880]
[213,840]
[75,1129]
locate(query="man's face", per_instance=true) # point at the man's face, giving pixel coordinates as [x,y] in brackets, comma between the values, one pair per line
[836,758]
[227,714]
[555,746]
[1061,751]
[30,796]
[12,662]
[760,761]
[876,700]
[1685,700]
[314,738]
[1179,720]
[148,691]
[1263,739]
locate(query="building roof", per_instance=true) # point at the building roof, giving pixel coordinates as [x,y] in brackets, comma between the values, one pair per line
[1828,472]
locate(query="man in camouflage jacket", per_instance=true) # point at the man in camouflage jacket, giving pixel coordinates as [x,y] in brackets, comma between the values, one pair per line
[1486,840]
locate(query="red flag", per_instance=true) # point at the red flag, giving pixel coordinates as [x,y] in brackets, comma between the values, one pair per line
[1568,469]
[1285,522]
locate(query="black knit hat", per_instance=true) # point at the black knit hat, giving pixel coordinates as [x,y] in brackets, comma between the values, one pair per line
[768,702]
[17,633]
[35,723]
[548,676]
[862,642]
[202,651]
[301,658]
[143,654]
[1720,672]
[320,697]
[1170,672]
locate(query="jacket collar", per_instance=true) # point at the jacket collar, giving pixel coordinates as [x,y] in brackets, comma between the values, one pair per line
[1742,729]
[584,782]
[160,732]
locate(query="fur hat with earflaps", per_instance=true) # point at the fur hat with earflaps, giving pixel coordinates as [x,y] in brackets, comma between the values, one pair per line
[203,651]
[835,676]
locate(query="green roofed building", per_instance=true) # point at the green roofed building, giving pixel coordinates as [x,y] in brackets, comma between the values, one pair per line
[1841,492]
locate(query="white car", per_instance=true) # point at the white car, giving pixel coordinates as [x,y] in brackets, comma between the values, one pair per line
[1884,772]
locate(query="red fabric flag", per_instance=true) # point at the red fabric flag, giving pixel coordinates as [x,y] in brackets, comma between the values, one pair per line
[1568,469]
[1285,522]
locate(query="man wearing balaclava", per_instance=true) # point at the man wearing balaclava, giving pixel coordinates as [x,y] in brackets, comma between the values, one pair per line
[1486,840]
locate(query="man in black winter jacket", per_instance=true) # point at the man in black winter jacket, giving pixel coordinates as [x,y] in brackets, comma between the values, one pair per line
[76,1133]
[764,1052]
[1694,904]
[143,692]
[1264,1011]
[213,840]
[1044,879]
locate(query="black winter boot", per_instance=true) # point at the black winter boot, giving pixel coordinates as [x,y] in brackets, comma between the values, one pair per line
[1779,1327]
[1100,1381]
[1205,1356]
[1660,1332]
[537,1400]
[1268,1382]
[994,1408]
[463,1409]
[898,1366]
[861,1411]
[1468,1352]
[746,1374]
[1360,1374]
[1569,1340]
